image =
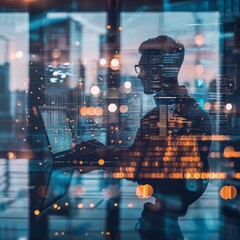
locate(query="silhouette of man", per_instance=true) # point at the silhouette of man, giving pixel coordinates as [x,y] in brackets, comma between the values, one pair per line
[171,146]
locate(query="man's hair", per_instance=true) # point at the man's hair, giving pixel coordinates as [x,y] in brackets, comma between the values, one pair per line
[163,45]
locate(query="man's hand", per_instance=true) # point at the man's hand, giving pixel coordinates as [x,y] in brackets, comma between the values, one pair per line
[86,155]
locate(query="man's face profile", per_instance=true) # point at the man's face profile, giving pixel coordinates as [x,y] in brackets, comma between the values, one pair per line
[150,72]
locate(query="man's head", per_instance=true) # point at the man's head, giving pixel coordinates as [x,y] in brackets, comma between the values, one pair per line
[160,62]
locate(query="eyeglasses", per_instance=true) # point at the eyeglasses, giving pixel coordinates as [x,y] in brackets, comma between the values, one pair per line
[140,67]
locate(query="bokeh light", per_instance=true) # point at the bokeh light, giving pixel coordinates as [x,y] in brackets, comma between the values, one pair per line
[228,152]
[84,111]
[112,107]
[98,111]
[19,54]
[56,53]
[114,64]
[11,155]
[123,109]
[91,205]
[55,206]
[228,192]
[36,212]
[95,90]
[80,205]
[144,191]
[101,162]
[199,40]
[207,106]
[103,61]
[127,84]
[91,111]
[229,106]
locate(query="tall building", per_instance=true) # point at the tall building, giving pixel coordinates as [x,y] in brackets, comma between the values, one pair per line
[62,59]
[64,75]
[57,77]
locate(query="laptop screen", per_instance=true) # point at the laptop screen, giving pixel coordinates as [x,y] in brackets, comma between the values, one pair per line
[60,136]
[58,129]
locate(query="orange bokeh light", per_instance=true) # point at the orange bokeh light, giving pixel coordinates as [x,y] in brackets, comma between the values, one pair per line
[144,191]
[199,40]
[228,192]
[84,111]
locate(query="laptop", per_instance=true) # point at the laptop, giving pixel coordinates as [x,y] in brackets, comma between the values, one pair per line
[60,139]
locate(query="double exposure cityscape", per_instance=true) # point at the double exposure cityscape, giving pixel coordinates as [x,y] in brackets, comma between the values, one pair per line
[119,120]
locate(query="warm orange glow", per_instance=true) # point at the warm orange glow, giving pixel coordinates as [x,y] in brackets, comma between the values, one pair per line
[80,85]
[55,206]
[91,111]
[36,212]
[123,109]
[84,111]
[199,40]
[228,192]
[193,174]
[114,64]
[80,205]
[11,155]
[228,152]
[144,191]
[98,111]
[215,138]
[101,162]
